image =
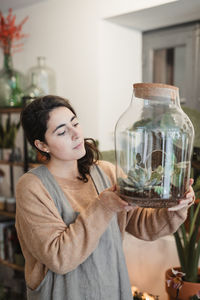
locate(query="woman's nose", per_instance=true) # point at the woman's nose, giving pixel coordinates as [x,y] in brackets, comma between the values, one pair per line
[74,133]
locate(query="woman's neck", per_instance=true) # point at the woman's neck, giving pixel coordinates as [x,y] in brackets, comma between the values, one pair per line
[68,170]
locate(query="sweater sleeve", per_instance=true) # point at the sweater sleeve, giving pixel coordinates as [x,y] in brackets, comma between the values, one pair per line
[150,224]
[58,246]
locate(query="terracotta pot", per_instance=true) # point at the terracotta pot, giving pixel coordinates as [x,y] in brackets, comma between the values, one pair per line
[188,289]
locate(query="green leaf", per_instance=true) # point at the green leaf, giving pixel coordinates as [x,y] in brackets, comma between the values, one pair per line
[167,121]
[196,258]
[180,250]
[183,231]
[140,124]
[158,189]
[192,224]
[176,180]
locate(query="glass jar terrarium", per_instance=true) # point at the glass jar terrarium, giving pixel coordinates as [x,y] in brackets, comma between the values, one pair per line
[153,144]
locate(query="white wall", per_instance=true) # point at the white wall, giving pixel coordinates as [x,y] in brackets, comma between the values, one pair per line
[119,67]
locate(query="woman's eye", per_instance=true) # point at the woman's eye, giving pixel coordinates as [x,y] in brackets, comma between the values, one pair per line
[76,124]
[62,133]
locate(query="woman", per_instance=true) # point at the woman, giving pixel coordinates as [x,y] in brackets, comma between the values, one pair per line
[69,217]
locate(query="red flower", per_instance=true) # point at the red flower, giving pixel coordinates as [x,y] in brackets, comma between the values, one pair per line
[10,32]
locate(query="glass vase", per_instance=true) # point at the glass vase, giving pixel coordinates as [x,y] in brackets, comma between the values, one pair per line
[32,91]
[153,143]
[44,77]
[11,84]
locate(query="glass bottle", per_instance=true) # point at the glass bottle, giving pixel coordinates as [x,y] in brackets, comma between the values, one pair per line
[44,76]
[33,91]
[153,143]
[11,84]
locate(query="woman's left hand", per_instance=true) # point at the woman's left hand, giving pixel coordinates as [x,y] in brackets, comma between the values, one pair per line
[187,201]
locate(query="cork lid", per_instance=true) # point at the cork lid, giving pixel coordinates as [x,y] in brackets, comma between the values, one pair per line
[155,90]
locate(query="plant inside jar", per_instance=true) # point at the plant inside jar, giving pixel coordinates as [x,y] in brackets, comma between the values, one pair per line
[145,186]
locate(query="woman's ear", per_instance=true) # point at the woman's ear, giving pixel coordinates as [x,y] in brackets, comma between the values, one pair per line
[41,146]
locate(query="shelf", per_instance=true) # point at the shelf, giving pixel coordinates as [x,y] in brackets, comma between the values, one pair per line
[19,164]
[12,163]
[7,214]
[11,265]
[9,110]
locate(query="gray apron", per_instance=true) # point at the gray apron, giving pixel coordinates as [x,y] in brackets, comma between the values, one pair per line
[103,275]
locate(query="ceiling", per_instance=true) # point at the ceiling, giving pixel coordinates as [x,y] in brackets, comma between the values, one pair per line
[15,4]
[173,13]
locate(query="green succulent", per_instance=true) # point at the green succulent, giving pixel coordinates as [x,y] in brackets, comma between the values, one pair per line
[140,179]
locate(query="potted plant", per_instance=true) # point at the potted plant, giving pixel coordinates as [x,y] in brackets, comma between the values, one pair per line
[8,131]
[184,282]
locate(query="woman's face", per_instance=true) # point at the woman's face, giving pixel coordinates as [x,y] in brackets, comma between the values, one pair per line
[64,137]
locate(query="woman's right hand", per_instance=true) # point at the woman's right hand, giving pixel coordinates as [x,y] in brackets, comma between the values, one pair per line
[111,200]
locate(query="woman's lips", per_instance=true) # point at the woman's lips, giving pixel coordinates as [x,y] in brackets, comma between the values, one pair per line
[78,146]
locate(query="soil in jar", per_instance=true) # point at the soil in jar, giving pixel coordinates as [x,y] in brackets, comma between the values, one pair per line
[148,199]
[155,186]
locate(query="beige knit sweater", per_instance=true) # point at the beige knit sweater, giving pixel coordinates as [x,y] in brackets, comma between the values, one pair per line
[46,241]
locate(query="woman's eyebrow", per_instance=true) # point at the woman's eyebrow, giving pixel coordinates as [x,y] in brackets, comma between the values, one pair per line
[59,126]
[74,117]
[64,124]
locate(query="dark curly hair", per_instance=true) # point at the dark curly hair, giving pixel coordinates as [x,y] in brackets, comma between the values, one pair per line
[34,118]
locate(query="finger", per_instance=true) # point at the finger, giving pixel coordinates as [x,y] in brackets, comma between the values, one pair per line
[177,207]
[112,188]
[189,191]
[128,208]
[122,202]
[183,203]
[191,181]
